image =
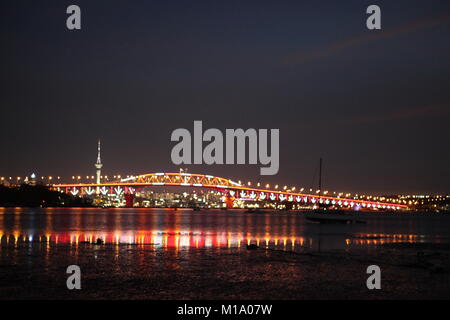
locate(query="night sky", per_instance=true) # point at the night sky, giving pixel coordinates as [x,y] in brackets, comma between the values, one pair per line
[374,104]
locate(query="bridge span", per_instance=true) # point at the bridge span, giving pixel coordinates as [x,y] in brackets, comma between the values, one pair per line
[231,190]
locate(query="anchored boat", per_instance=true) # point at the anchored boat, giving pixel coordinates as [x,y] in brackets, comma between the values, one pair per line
[325,215]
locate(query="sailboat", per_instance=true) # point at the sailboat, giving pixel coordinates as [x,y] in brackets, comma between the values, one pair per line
[325,215]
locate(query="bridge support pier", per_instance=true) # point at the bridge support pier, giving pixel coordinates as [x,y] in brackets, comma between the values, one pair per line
[129,200]
[229,202]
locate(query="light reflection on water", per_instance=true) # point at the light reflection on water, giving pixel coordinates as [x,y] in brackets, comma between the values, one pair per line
[183,239]
[186,229]
[159,239]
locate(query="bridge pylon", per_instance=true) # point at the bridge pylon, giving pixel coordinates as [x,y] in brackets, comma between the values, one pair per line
[229,200]
[129,200]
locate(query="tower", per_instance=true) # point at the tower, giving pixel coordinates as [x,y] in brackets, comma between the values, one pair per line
[98,165]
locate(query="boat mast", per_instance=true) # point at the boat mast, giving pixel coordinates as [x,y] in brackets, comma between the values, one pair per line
[320,178]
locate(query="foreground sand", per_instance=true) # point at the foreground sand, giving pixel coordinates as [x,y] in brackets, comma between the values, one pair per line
[37,271]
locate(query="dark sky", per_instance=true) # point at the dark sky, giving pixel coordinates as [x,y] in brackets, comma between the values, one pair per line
[374,104]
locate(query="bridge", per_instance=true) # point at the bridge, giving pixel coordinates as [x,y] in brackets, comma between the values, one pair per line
[231,190]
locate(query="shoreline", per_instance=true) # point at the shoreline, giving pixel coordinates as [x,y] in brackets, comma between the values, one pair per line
[143,272]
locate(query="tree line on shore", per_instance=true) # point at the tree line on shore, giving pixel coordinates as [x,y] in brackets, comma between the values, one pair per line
[26,195]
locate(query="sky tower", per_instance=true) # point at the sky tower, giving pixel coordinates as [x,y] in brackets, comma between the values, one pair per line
[98,164]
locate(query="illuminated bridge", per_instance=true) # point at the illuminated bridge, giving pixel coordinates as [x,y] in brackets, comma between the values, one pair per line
[231,190]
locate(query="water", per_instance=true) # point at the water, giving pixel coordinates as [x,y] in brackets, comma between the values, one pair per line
[186,254]
[185,229]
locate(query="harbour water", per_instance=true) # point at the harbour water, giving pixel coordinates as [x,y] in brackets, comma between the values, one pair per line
[187,254]
[186,229]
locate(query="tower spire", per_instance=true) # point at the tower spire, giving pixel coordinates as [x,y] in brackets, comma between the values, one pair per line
[99,161]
